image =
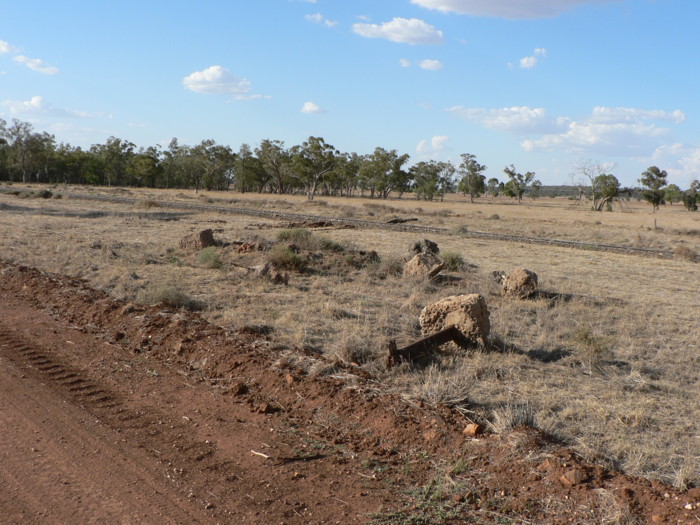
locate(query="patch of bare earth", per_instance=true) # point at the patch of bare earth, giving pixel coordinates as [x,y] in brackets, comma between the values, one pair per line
[116,412]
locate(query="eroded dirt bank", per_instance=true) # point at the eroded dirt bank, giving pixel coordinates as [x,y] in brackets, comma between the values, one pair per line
[114,412]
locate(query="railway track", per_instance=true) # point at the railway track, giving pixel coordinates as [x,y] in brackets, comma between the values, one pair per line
[376,225]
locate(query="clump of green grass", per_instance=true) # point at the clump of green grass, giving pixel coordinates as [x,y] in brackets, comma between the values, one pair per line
[303,239]
[39,194]
[210,258]
[169,295]
[592,349]
[298,236]
[385,267]
[454,262]
[495,217]
[285,258]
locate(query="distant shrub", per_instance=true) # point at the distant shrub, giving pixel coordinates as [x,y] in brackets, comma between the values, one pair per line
[454,262]
[209,257]
[685,253]
[329,245]
[495,217]
[303,239]
[285,258]
[298,236]
[168,295]
[150,203]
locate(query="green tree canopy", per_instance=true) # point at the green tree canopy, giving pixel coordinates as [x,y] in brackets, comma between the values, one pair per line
[653,179]
[472,180]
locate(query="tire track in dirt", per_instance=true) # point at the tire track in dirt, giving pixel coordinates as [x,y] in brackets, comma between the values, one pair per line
[50,442]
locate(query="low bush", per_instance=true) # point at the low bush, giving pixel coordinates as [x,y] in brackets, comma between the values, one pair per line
[285,258]
[168,295]
[209,257]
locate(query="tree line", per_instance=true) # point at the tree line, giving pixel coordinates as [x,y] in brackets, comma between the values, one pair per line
[313,167]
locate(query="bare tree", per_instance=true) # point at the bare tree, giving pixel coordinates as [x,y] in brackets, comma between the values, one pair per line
[588,176]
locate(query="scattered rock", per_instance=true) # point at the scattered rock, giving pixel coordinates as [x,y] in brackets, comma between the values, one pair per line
[468,313]
[520,283]
[423,266]
[473,430]
[198,241]
[573,477]
[425,246]
[545,466]
[248,247]
[268,271]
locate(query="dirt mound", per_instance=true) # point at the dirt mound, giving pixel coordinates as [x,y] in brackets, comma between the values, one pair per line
[468,313]
[229,429]
[520,283]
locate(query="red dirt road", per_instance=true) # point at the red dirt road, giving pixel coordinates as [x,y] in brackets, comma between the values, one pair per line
[114,413]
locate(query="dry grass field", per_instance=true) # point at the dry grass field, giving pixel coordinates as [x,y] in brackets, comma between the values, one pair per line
[607,359]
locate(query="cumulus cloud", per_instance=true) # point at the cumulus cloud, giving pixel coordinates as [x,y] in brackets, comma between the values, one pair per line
[312,109]
[217,80]
[36,64]
[682,161]
[6,48]
[517,119]
[405,63]
[430,65]
[402,30]
[37,106]
[611,131]
[512,9]
[318,18]
[531,61]
[434,146]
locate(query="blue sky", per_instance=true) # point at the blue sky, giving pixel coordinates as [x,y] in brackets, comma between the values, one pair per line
[541,84]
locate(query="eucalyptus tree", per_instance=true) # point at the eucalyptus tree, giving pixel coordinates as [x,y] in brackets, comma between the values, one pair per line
[690,196]
[653,180]
[432,179]
[115,157]
[494,187]
[672,193]
[473,181]
[606,188]
[214,165]
[518,183]
[249,173]
[382,172]
[343,179]
[276,159]
[593,180]
[145,168]
[312,161]
[29,151]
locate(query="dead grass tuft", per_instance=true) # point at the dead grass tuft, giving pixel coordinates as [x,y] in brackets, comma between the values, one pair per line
[685,254]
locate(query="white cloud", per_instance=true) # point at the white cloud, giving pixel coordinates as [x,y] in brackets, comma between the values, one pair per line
[37,106]
[216,80]
[531,61]
[311,108]
[6,48]
[36,64]
[405,63]
[505,8]
[682,161]
[430,65]
[436,145]
[517,119]
[318,18]
[402,30]
[611,131]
